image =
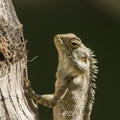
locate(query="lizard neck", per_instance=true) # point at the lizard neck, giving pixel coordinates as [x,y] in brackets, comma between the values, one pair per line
[67,66]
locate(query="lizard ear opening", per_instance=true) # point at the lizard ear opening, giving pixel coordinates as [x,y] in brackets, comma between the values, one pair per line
[74,43]
[84,59]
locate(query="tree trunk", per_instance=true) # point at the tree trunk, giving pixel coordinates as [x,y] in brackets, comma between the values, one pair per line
[14,103]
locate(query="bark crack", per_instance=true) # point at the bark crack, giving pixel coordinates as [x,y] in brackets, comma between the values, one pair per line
[5,108]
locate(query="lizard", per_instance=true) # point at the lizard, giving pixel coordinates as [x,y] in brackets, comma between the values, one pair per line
[74,87]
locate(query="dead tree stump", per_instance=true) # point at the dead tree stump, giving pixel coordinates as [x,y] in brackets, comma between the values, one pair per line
[14,103]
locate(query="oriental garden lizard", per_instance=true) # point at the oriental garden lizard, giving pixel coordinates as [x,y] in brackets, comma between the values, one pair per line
[74,88]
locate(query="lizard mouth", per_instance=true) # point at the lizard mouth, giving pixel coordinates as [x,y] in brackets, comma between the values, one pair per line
[59,44]
[58,41]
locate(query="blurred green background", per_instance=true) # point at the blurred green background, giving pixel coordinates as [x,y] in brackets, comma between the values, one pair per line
[96,23]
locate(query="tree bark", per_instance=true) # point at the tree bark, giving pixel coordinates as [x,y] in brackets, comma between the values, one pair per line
[14,103]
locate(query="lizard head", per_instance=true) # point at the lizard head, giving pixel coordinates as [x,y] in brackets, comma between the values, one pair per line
[73,55]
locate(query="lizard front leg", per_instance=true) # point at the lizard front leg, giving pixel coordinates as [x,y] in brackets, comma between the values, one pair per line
[49,100]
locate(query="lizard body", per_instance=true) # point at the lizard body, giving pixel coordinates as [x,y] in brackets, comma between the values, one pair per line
[74,93]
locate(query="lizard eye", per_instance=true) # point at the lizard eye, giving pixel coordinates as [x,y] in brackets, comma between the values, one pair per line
[74,43]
